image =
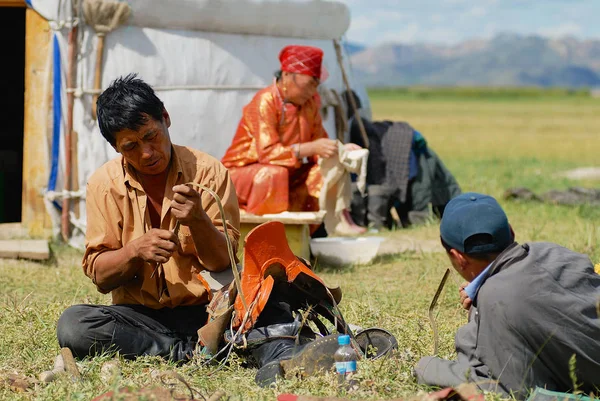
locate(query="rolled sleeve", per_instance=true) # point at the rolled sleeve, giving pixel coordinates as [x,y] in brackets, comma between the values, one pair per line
[103,232]
[433,371]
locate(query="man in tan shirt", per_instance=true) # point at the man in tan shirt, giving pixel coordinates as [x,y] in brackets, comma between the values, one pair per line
[132,248]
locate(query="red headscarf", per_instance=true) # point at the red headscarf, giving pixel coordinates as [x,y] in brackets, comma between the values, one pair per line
[303,60]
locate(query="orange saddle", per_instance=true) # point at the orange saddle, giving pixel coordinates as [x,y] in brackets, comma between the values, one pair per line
[267,258]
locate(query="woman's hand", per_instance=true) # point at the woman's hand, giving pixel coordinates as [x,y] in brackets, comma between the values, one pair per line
[351,146]
[323,147]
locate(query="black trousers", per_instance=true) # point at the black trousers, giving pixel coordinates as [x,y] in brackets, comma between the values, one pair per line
[136,330]
[133,330]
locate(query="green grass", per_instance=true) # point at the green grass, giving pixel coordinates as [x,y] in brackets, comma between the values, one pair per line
[489,146]
[486,93]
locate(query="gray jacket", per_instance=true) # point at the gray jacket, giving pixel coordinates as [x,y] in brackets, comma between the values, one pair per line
[537,308]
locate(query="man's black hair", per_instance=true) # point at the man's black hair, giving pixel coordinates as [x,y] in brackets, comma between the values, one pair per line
[473,241]
[126,104]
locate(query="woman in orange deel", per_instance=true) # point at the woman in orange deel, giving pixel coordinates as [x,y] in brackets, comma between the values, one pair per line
[273,156]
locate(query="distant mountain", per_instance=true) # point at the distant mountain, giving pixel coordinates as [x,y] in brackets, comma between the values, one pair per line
[505,60]
[353,48]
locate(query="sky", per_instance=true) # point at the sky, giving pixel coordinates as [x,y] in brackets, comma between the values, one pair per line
[375,22]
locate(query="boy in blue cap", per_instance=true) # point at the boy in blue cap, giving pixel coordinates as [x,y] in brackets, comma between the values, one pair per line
[533,307]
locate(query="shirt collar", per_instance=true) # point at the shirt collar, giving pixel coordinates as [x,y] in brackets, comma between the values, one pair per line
[473,288]
[176,161]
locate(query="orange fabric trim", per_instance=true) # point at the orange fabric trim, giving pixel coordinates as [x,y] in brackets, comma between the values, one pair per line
[206,286]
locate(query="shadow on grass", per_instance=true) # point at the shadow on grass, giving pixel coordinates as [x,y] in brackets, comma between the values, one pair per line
[390,257]
[320,266]
[325,267]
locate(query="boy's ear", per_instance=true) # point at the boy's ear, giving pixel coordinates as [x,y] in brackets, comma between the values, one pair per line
[461,261]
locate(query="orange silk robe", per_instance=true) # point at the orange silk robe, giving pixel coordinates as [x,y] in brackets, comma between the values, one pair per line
[267,175]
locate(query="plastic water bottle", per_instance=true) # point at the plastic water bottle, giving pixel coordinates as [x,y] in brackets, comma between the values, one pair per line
[345,362]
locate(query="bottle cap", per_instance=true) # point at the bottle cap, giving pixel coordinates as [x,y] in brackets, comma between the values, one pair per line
[343,339]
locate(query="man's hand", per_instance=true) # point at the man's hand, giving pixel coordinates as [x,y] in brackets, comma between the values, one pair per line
[155,246]
[465,301]
[187,205]
[117,267]
[324,147]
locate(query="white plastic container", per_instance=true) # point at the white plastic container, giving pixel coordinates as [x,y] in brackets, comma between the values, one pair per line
[345,250]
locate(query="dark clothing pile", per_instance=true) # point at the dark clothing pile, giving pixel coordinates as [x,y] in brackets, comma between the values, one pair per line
[402,172]
[397,148]
[534,323]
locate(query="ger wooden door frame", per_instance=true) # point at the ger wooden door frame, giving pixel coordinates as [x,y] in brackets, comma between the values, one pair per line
[12,3]
[34,217]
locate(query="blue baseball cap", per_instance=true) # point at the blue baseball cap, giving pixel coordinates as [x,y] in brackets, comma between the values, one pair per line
[471,214]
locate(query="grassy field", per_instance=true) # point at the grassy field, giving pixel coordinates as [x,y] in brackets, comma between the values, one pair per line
[490,143]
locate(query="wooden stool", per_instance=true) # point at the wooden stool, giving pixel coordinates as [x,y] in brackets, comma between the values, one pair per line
[296,228]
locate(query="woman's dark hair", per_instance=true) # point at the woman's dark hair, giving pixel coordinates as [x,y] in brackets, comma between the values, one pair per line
[126,104]
[278,75]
